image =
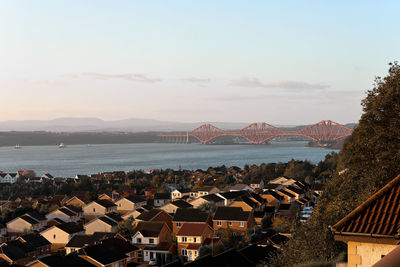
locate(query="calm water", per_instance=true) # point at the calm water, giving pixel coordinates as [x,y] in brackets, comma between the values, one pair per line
[82,159]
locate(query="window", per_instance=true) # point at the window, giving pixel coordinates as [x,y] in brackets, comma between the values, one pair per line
[184,239]
[72,250]
[151,240]
[138,240]
[194,239]
[94,209]
[147,253]
[229,223]
[195,253]
[151,255]
[178,224]
[139,253]
[219,223]
[241,224]
[54,236]
[184,252]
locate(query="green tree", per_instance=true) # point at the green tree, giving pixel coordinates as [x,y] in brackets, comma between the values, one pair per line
[369,159]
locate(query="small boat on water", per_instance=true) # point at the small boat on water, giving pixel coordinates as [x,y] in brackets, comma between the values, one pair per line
[61,145]
[17,146]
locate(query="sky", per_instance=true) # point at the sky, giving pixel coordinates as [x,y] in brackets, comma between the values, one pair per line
[280,62]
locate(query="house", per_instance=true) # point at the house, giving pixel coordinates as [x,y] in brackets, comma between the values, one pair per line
[134,214]
[183,216]
[238,187]
[120,244]
[64,214]
[38,242]
[8,178]
[246,203]
[79,241]
[190,237]
[297,192]
[130,203]
[283,210]
[372,229]
[152,238]
[155,215]
[180,193]
[59,235]
[38,180]
[233,218]
[24,223]
[75,201]
[58,200]
[287,196]
[172,206]
[211,198]
[99,207]
[24,249]
[161,198]
[282,181]
[257,184]
[203,191]
[16,252]
[57,260]
[272,198]
[47,176]
[103,255]
[107,223]
[230,196]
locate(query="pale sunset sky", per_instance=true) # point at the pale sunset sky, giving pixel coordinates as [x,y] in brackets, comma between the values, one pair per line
[280,62]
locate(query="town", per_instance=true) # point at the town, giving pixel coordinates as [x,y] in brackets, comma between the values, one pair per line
[157,218]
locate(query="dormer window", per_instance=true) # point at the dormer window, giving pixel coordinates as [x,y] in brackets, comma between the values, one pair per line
[178,224]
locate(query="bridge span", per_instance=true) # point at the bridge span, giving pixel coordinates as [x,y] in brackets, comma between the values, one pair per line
[261,132]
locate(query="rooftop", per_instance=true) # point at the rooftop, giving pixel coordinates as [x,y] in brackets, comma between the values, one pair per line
[192,229]
[377,215]
[190,215]
[231,214]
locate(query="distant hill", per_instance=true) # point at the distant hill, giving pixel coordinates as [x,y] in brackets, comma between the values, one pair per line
[99,125]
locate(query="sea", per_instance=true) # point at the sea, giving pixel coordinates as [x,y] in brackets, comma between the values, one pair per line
[90,159]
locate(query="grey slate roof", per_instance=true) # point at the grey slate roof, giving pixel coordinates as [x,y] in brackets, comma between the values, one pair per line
[190,215]
[231,214]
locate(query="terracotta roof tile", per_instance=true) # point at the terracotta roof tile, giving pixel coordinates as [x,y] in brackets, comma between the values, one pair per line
[377,215]
[192,229]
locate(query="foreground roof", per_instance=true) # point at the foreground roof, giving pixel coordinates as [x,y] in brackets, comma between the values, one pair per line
[379,215]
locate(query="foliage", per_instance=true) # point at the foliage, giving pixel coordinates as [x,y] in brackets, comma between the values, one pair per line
[126,227]
[369,159]
[209,207]
[283,225]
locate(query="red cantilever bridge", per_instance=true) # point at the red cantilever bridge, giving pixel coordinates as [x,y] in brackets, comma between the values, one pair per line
[260,132]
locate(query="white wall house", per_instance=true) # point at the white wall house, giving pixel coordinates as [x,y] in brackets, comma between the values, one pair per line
[179,193]
[8,178]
